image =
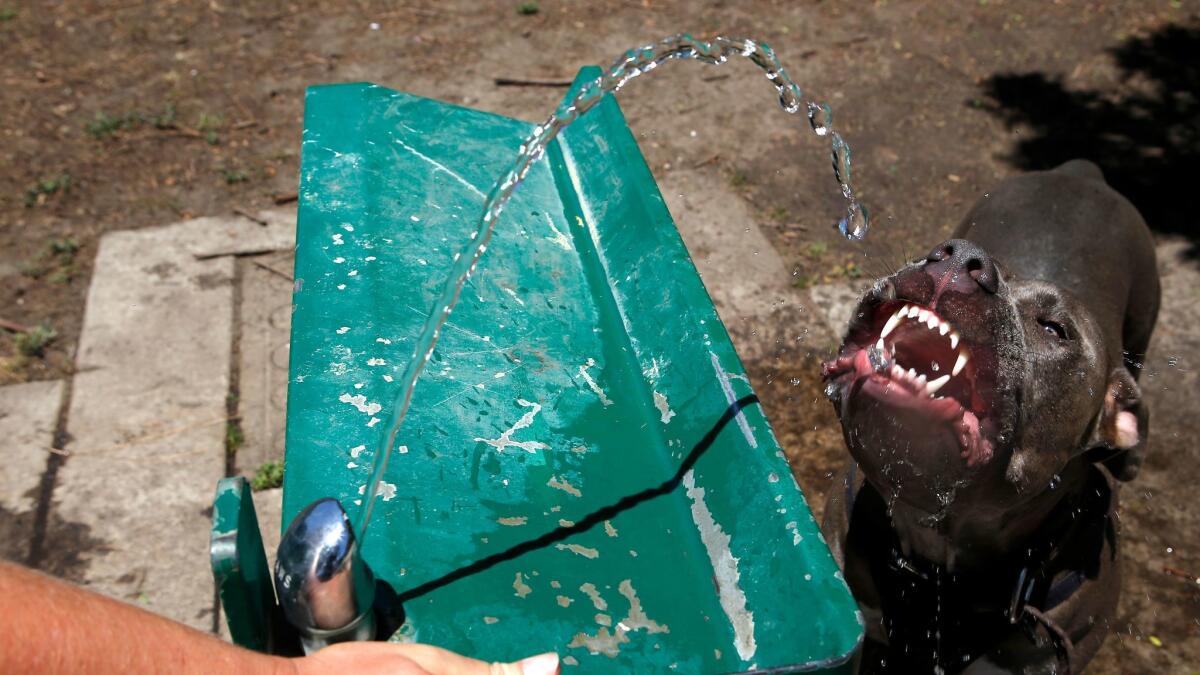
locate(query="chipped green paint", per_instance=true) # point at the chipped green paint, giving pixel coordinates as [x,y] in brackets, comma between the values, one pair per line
[583,363]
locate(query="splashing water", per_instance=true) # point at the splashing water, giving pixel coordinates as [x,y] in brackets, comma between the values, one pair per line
[631,64]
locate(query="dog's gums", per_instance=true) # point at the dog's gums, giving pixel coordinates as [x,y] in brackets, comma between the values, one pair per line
[910,358]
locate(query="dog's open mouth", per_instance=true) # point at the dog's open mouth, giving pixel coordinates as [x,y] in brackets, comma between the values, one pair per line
[914,361]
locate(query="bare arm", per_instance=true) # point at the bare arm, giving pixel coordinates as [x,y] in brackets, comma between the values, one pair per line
[49,626]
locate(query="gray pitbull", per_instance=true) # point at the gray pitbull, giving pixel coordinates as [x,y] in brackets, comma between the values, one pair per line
[988,395]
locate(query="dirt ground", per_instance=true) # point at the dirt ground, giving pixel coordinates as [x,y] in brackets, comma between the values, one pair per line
[117,115]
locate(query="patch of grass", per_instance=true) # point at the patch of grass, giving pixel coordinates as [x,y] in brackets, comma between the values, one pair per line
[57,260]
[269,475]
[7,14]
[208,124]
[738,178]
[816,249]
[34,342]
[779,214]
[64,247]
[62,275]
[104,125]
[38,192]
[165,119]
[233,176]
[527,8]
[33,270]
[233,438]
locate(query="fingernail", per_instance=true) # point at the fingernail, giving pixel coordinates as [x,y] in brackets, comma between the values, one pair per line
[542,664]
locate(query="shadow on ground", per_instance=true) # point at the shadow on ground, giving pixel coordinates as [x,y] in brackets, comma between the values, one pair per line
[1146,137]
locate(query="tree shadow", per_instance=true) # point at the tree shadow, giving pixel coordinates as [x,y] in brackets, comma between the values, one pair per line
[1144,134]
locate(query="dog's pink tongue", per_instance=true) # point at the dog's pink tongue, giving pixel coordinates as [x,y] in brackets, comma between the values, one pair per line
[976,449]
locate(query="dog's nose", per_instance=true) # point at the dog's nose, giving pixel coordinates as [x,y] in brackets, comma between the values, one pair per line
[950,259]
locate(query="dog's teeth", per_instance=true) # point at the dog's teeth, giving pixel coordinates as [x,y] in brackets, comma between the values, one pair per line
[960,363]
[897,372]
[911,310]
[954,340]
[892,323]
[920,380]
[912,373]
[933,387]
[879,345]
[932,322]
[923,315]
[944,328]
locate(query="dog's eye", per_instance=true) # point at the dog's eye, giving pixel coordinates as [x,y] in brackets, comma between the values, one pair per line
[1053,329]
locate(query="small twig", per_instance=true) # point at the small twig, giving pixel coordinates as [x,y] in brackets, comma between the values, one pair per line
[529,82]
[183,131]
[710,160]
[286,198]
[268,268]
[14,326]
[236,253]
[249,216]
[1176,572]
[246,124]
[852,41]
[714,78]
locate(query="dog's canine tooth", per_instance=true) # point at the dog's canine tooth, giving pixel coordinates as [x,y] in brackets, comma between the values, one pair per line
[933,386]
[960,363]
[879,345]
[944,328]
[892,323]
[954,340]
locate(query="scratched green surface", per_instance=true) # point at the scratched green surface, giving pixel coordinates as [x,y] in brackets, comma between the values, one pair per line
[507,439]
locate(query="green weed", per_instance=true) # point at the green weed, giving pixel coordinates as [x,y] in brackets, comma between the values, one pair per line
[233,176]
[269,475]
[34,342]
[38,192]
[233,437]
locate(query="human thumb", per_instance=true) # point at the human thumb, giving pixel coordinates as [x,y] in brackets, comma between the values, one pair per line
[542,664]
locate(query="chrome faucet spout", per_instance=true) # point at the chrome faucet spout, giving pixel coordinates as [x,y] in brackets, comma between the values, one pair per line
[324,586]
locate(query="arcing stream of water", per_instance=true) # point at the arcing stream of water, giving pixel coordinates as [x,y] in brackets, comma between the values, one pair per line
[631,64]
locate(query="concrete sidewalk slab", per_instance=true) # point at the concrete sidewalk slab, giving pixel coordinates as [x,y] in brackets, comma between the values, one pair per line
[745,276]
[148,410]
[28,416]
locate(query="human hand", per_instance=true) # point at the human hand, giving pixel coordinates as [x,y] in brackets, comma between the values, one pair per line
[368,658]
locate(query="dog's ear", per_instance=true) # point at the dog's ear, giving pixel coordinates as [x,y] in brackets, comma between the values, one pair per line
[1119,440]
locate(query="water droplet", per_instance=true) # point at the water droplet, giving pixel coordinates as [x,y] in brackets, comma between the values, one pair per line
[820,116]
[856,223]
